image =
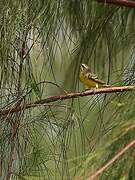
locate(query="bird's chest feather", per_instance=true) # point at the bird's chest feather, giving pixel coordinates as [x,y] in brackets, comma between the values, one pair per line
[88,82]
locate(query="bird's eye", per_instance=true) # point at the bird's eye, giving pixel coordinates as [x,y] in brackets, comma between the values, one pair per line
[83,66]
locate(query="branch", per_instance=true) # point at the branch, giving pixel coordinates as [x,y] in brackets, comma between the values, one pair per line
[45,102]
[117,156]
[126,3]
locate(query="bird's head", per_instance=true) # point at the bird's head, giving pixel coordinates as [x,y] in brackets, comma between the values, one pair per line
[85,68]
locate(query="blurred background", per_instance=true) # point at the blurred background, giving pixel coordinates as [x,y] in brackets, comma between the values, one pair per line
[42,44]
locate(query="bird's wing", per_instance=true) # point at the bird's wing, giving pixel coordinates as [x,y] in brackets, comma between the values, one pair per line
[95,78]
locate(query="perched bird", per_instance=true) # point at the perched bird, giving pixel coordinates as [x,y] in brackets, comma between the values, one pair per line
[90,80]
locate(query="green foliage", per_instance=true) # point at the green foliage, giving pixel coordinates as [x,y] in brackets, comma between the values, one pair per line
[42,44]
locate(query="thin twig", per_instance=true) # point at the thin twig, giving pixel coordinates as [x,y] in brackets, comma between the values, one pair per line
[116,157]
[15,124]
[66,96]
[126,3]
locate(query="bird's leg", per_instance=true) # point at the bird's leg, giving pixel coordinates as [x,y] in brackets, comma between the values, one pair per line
[94,91]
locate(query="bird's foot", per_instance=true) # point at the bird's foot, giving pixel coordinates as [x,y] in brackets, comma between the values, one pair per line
[94,91]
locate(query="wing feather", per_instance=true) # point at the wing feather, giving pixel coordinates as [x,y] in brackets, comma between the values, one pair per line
[95,78]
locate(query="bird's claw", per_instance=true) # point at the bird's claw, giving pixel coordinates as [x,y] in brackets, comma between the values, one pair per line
[94,91]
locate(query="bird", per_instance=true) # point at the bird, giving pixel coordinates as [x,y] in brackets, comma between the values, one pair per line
[90,80]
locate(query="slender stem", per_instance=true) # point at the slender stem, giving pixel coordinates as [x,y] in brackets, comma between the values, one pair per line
[109,163]
[15,124]
[45,102]
[126,3]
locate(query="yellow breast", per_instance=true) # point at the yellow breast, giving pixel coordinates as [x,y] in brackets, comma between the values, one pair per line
[89,83]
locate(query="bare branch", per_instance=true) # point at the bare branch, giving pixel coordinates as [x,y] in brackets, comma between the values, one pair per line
[45,102]
[117,156]
[126,3]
